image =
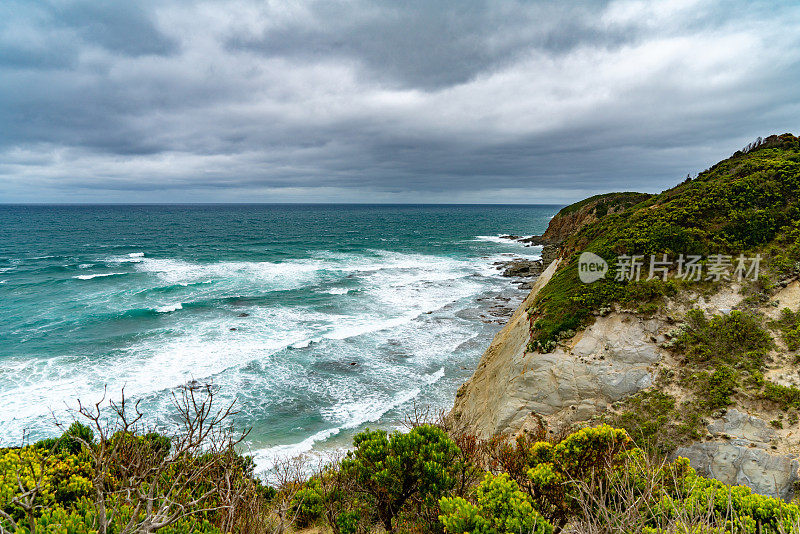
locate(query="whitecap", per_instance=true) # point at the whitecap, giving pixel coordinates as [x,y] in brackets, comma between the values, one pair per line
[434,377]
[136,255]
[305,343]
[338,291]
[169,308]
[100,275]
[369,409]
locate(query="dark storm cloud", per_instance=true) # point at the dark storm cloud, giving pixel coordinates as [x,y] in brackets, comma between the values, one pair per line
[432,44]
[383,101]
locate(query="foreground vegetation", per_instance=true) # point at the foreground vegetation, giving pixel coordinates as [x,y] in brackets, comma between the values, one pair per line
[110,476]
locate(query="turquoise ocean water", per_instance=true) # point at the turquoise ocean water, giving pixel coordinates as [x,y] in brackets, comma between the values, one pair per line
[318,319]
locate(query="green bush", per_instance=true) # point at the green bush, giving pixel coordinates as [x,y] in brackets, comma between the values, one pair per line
[582,456]
[789,326]
[501,508]
[393,469]
[785,396]
[735,339]
[307,506]
[721,385]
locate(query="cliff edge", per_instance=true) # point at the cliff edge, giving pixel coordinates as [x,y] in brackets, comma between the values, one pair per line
[702,367]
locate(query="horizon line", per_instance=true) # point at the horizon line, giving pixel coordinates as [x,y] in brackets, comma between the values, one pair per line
[276,204]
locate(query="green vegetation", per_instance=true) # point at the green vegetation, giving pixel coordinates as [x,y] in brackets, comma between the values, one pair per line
[499,506]
[736,339]
[112,476]
[746,204]
[656,423]
[605,203]
[784,396]
[419,481]
[789,327]
[392,470]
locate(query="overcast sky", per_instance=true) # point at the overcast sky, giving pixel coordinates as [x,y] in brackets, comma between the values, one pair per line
[276,101]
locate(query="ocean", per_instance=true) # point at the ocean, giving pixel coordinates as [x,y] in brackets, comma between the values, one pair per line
[319,320]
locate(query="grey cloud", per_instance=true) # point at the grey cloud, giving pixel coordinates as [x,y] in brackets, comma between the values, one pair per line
[502,101]
[431,45]
[125,27]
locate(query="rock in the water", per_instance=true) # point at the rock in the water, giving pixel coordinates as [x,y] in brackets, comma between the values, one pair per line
[523,268]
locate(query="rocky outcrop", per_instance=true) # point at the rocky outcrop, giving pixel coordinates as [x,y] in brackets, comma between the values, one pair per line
[513,388]
[522,268]
[740,453]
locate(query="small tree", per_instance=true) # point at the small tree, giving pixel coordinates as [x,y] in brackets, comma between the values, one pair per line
[392,469]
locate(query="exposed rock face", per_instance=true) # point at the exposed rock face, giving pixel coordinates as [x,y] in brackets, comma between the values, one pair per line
[740,454]
[608,361]
[618,355]
[550,253]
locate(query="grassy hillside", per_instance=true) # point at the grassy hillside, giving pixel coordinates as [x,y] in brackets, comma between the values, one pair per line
[747,203]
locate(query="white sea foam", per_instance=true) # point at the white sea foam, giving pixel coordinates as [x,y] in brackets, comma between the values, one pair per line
[99,275]
[169,308]
[338,291]
[396,292]
[265,459]
[354,413]
[498,239]
[85,265]
[136,255]
[434,377]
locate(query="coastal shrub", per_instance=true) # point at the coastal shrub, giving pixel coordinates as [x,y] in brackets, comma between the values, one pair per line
[307,504]
[733,508]
[785,396]
[500,508]
[394,469]
[651,418]
[110,476]
[719,387]
[71,441]
[582,456]
[33,479]
[735,339]
[789,326]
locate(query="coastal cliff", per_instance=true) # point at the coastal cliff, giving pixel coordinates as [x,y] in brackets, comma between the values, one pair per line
[701,369]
